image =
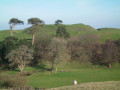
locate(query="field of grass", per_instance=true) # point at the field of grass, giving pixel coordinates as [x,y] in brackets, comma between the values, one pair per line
[74,30]
[74,71]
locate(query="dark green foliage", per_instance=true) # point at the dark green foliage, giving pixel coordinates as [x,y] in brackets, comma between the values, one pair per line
[20,57]
[58,22]
[10,43]
[35,21]
[15,21]
[23,42]
[61,32]
[7,45]
[33,29]
[41,48]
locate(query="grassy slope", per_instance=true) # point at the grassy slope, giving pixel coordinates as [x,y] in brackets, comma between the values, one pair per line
[17,33]
[74,30]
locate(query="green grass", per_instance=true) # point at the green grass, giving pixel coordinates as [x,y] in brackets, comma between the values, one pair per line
[72,71]
[17,33]
[50,80]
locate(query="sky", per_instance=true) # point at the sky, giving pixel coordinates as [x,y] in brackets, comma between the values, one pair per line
[96,13]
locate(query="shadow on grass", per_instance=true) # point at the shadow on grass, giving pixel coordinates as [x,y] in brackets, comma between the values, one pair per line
[42,68]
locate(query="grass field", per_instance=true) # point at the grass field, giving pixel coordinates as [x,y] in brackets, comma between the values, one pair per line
[74,71]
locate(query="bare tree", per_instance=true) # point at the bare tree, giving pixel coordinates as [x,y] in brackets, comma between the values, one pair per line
[110,53]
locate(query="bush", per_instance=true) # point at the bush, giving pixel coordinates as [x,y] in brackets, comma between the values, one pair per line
[13,81]
[25,73]
[81,47]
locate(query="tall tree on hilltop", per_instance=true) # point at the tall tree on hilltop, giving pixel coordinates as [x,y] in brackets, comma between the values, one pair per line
[13,22]
[34,22]
[58,22]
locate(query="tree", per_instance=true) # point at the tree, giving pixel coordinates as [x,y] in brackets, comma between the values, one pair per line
[20,57]
[61,32]
[34,22]
[118,45]
[81,47]
[58,22]
[110,53]
[7,45]
[13,22]
[58,52]
[41,48]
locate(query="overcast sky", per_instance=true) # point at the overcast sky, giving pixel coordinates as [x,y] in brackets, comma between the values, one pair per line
[97,13]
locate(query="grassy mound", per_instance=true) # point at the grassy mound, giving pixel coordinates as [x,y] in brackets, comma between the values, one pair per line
[80,27]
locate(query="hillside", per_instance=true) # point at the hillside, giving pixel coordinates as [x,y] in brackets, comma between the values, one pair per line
[74,30]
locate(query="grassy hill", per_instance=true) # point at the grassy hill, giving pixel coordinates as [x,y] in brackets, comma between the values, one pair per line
[74,30]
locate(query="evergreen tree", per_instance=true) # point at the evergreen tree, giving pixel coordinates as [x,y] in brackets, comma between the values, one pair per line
[61,32]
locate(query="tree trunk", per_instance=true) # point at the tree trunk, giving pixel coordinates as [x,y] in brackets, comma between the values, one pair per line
[109,65]
[56,69]
[21,67]
[11,33]
[52,66]
[33,39]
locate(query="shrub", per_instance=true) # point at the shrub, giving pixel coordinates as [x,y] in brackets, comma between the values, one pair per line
[81,47]
[13,81]
[25,73]
[61,32]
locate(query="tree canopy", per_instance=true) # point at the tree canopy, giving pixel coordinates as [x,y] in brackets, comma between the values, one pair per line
[35,21]
[20,57]
[61,32]
[15,21]
[58,22]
